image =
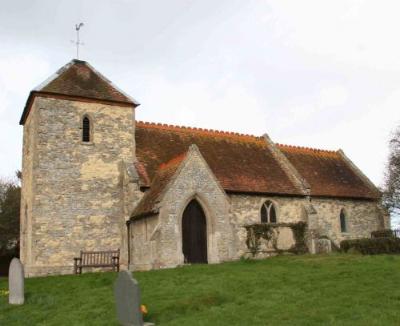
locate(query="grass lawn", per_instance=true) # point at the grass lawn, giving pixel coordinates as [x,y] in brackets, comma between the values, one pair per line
[295,290]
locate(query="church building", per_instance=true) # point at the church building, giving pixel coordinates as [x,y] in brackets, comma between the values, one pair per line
[94,178]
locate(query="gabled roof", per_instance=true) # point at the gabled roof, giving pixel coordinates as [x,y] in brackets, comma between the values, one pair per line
[241,163]
[329,173]
[79,80]
[246,164]
[165,172]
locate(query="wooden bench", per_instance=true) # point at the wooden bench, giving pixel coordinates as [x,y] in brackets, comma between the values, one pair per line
[97,259]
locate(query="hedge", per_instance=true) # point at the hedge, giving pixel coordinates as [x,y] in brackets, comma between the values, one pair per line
[372,246]
[387,233]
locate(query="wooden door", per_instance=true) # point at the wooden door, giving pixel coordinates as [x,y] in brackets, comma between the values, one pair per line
[194,234]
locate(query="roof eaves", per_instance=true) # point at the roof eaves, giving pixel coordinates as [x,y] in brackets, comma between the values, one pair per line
[39,88]
[350,197]
[34,93]
[264,193]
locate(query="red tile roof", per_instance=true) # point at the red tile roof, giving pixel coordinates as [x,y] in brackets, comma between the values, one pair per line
[328,173]
[78,79]
[144,178]
[163,175]
[241,163]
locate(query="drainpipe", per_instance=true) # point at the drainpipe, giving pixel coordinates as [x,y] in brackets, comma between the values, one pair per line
[128,229]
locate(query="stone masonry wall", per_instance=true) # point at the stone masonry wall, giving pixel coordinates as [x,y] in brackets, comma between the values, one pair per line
[77,197]
[163,248]
[131,195]
[144,244]
[362,217]
[29,156]
[194,180]
[245,210]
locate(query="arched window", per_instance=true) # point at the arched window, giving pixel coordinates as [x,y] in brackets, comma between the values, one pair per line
[343,224]
[86,129]
[268,212]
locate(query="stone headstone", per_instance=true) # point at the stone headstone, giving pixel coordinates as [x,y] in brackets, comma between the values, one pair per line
[323,246]
[127,300]
[16,279]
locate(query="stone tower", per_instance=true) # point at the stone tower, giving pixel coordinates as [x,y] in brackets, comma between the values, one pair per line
[78,131]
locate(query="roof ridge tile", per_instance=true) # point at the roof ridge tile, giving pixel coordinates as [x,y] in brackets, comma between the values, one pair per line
[246,164]
[199,130]
[307,149]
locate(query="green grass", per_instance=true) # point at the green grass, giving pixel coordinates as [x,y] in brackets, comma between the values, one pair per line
[295,290]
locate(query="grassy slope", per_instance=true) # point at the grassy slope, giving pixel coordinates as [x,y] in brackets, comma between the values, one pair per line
[302,290]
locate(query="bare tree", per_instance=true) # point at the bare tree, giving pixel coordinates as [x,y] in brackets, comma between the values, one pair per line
[392,176]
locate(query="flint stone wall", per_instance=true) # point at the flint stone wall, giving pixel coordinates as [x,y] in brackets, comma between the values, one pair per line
[321,215]
[194,181]
[245,210]
[362,217]
[77,198]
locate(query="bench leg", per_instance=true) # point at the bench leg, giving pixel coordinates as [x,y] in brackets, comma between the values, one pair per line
[75,267]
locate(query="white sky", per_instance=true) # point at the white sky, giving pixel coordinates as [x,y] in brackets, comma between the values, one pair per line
[316,73]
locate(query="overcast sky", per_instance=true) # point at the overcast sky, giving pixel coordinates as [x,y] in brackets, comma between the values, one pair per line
[322,74]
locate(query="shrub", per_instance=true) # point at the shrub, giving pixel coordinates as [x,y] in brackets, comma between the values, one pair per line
[387,233]
[267,231]
[372,246]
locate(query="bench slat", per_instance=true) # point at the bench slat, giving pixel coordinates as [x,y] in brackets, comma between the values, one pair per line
[103,258]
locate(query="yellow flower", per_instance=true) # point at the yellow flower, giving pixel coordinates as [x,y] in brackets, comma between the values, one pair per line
[3,292]
[143,309]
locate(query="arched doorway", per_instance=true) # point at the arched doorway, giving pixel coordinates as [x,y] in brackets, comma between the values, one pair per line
[194,234]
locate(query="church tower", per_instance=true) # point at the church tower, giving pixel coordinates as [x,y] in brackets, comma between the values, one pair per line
[78,130]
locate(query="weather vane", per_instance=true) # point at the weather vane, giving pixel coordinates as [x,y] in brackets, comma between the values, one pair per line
[77,42]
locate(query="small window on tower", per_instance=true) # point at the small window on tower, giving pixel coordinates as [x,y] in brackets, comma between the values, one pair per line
[86,129]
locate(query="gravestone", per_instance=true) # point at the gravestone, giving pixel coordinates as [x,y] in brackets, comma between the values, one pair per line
[323,246]
[127,300]
[16,279]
